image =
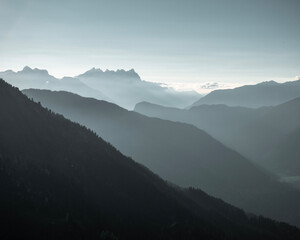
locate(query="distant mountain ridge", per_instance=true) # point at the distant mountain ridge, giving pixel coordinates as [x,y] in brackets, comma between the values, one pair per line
[118,74]
[40,79]
[220,121]
[127,88]
[124,88]
[263,94]
[268,136]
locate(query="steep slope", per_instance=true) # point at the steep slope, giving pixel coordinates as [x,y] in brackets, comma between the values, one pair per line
[60,181]
[127,88]
[180,153]
[254,96]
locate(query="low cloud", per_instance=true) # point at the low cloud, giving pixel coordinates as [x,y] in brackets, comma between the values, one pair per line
[202,88]
[210,85]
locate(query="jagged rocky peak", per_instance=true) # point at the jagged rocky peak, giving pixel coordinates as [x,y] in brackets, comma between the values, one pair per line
[94,70]
[27,69]
[119,73]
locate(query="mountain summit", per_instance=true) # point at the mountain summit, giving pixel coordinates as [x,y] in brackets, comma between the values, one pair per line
[29,70]
[119,74]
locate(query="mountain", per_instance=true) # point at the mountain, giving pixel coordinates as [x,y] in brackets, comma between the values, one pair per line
[40,79]
[124,88]
[220,121]
[127,89]
[256,133]
[118,75]
[254,96]
[180,153]
[258,138]
[60,181]
[268,136]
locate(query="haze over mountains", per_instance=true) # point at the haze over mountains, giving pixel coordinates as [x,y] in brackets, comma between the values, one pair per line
[124,88]
[187,131]
[60,181]
[247,156]
[259,134]
[180,153]
[266,132]
[40,79]
[218,120]
[263,94]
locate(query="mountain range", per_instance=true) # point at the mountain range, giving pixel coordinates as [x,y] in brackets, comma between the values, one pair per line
[124,88]
[180,153]
[263,135]
[59,180]
[219,120]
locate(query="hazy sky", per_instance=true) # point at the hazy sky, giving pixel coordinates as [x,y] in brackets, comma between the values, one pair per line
[183,41]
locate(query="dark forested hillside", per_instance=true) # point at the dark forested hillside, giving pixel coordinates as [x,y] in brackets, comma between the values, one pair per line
[180,153]
[60,181]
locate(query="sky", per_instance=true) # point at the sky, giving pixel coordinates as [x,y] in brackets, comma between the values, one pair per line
[182,43]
